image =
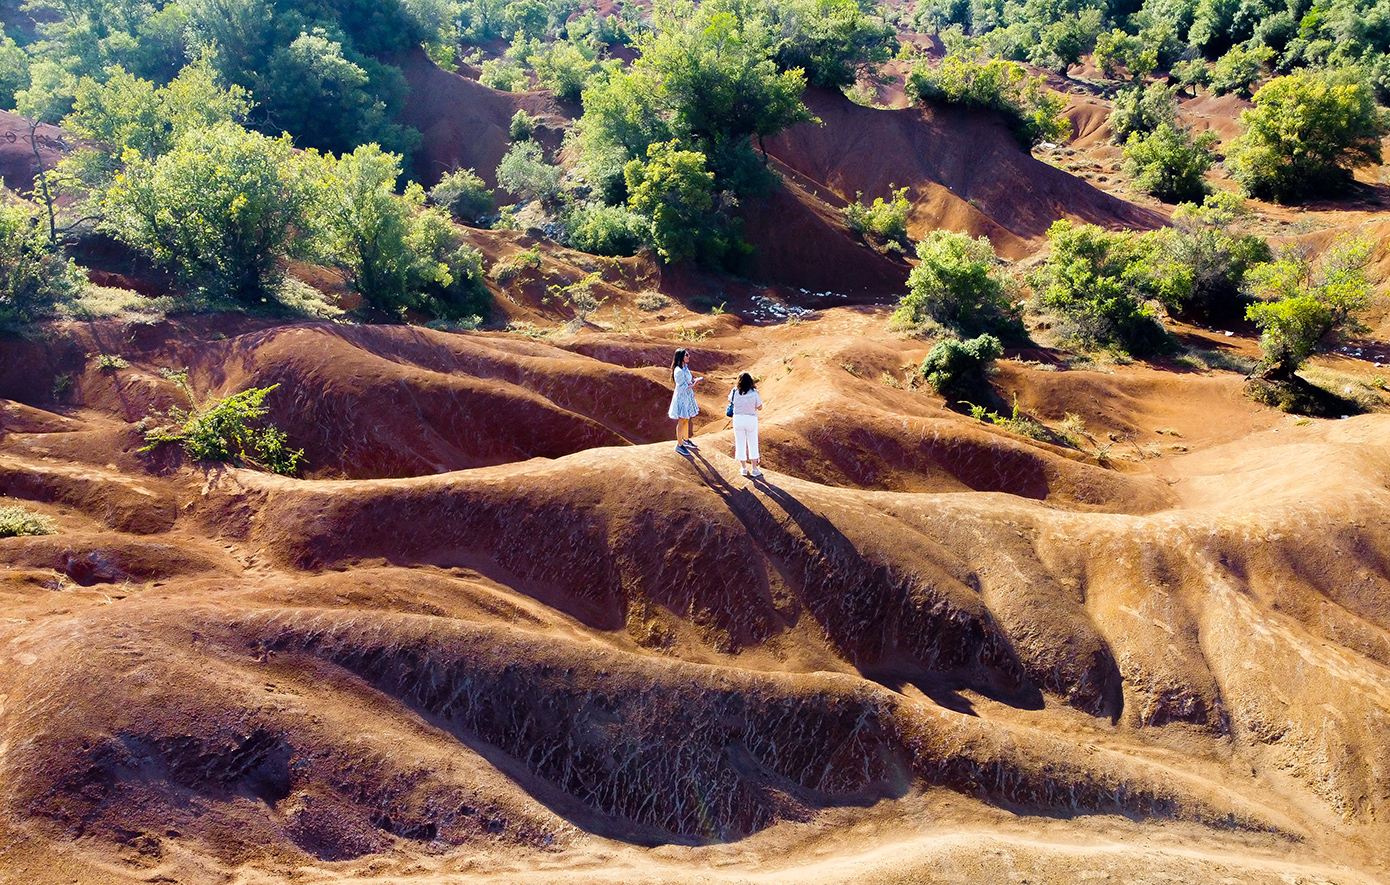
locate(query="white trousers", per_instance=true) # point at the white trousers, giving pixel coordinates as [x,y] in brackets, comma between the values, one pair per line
[745,437]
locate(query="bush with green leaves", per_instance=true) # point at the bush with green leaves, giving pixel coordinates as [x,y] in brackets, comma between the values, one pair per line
[882,218]
[959,285]
[222,208]
[1305,134]
[959,370]
[1303,302]
[504,75]
[1117,51]
[397,254]
[1199,264]
[1191,73]
[833,41]
[606,230]
[524,173]
[16,522]
[963,77]
[463,194]
[1142,110]
[1239,70]
[35,274]
[1097,282]
[14,71]
[564,67]
[675,192]
[1169,163]
[230,430]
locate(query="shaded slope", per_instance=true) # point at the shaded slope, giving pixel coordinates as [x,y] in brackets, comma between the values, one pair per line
[965,170]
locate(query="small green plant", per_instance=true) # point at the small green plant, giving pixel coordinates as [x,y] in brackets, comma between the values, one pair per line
[887,220]
[522,127]
[61,385]
[17,522]
[227,430]
[111,363]
[530,330]
[514,267]
[684,334]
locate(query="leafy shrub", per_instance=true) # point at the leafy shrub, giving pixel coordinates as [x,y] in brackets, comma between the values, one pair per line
[1239,70]
[522,126]
[223,208]
[1169,164]
[831,40]
[1305,134]
[229,430]
[398,255]
[675,192]
[34,273]
[964,78]
[111,362]
[1305,302]
[1097,283]
[606,230]
[958,284]
[504,75]
[1143,110]
[1191,73]
[16,522]
[524,172]
[959,370]
[463,194]
[564,68]
[1200,262]
[884,219]
[1117,50]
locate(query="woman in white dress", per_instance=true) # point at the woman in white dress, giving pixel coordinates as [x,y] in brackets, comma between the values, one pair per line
[683,405]
[746,403]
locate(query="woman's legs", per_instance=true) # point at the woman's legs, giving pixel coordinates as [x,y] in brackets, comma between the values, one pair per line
[753,452]
[682,430]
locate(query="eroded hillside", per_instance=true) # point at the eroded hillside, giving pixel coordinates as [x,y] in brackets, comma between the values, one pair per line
[507,632]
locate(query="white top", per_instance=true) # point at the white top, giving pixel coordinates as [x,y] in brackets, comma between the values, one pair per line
[745,403]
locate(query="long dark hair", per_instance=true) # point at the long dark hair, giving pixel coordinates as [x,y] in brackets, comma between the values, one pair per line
[745,383]
[679,359]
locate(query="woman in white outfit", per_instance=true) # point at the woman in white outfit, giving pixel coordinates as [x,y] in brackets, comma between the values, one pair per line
[746,403]
[683,405]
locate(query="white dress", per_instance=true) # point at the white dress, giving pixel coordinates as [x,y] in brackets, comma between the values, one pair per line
[683,400]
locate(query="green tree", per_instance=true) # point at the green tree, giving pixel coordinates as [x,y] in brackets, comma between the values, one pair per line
[1097,283]
[129,113]
[1305,134]
[223,207]
[1304,302]
[1169,164]
[1142,110]
[675,192]
[831,40]
[1200,263]
[606,230]
[1117,50]
[328,100]
[463,194]
[525,173]
[34,273]
[963,77]
[959,284]
[564,68]
[14,71]
[397,255]
[718,78]
[1239,70]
